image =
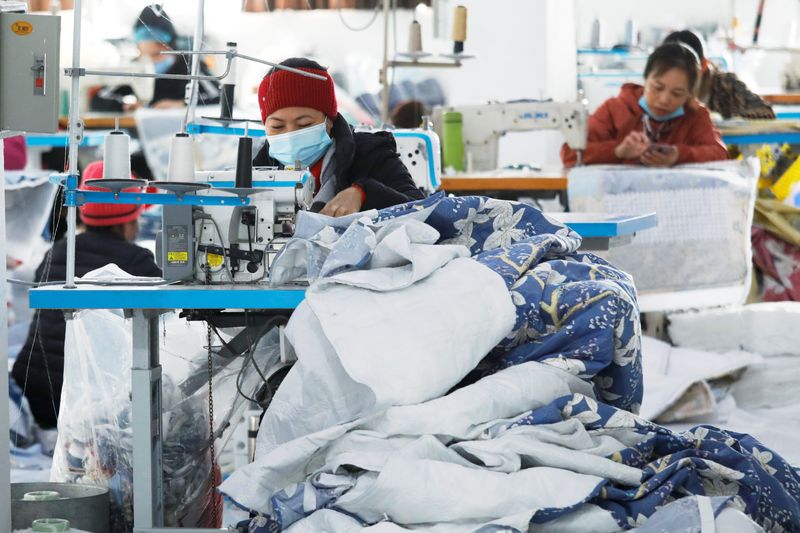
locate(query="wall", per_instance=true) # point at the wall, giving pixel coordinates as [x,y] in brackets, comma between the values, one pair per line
[776,25]
[524,50]
[762,70]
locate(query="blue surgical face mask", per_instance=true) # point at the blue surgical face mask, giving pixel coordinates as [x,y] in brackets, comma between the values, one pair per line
[306,145]
[659,118]
[163,65]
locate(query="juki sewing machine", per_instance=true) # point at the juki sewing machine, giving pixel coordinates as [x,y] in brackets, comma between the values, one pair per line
[232,244]
[482,125]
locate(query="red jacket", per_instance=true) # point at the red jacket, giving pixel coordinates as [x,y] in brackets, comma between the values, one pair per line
[693,133]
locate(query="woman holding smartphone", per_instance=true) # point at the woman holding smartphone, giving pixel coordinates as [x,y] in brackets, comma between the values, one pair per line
[658,124]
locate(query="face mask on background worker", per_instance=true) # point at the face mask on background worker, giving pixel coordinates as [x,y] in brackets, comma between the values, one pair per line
[306,145]
[162,66]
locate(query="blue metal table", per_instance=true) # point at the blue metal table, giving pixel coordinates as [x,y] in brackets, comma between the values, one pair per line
[784,130]
[145,305]
[166,297]
[61,140]
[603,231]
[766,137]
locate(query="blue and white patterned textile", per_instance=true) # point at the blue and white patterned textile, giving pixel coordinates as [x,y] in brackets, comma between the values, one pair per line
[542,434]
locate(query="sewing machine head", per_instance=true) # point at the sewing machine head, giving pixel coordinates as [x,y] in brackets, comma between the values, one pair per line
[236,243]
[483,125]
[420,152]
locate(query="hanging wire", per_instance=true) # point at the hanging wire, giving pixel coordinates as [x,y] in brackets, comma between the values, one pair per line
[362,28]
[48,261]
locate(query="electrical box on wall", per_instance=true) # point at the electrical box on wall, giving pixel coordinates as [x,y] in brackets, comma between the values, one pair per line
[29,72]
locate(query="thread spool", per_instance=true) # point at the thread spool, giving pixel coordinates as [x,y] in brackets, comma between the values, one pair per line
[226,100]
[252,435]
[459,29]
[228,88]
[597,33]
[181,158]
[631,33]
[244,163]
[117,155]
[414,38]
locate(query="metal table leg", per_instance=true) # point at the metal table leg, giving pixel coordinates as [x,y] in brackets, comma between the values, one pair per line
[148,493]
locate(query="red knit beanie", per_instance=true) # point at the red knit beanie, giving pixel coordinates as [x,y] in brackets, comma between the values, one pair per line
[105,214]
[282,88]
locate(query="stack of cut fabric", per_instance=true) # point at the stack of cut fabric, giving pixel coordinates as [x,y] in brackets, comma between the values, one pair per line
[461,367]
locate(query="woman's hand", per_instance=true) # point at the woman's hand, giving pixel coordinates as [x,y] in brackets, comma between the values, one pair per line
[632,146]
[167,103]
[346,202]
[660,156]
[130,108]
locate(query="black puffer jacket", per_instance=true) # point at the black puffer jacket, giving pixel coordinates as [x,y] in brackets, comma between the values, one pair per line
[43,353]
[369,160]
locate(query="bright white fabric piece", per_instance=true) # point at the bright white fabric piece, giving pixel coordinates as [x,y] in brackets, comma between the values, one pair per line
[564,445]
[431,334]
[675,378]
[766,328]
[466,413]
[591,519]
[412,432]
[404,253]
[423,491]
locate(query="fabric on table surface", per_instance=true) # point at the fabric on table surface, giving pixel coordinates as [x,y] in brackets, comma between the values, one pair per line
[677,380]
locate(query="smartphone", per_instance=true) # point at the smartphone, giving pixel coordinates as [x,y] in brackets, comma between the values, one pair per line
[661,148]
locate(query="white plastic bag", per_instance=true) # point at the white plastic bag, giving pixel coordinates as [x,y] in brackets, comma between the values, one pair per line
[95,436]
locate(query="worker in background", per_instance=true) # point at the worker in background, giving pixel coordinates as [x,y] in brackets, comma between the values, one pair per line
[353,171]
[15,155]
[408,114]
[154,33]
[659,124]
[722,92]
[109,235]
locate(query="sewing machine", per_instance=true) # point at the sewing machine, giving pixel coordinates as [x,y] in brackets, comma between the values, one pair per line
[420,152]
[232,243]
[484,124]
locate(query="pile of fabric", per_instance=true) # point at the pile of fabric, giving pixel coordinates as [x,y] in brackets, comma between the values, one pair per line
[461,367]
[762,400]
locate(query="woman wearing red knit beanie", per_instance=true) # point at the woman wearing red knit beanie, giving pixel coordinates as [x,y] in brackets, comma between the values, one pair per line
[354,171]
